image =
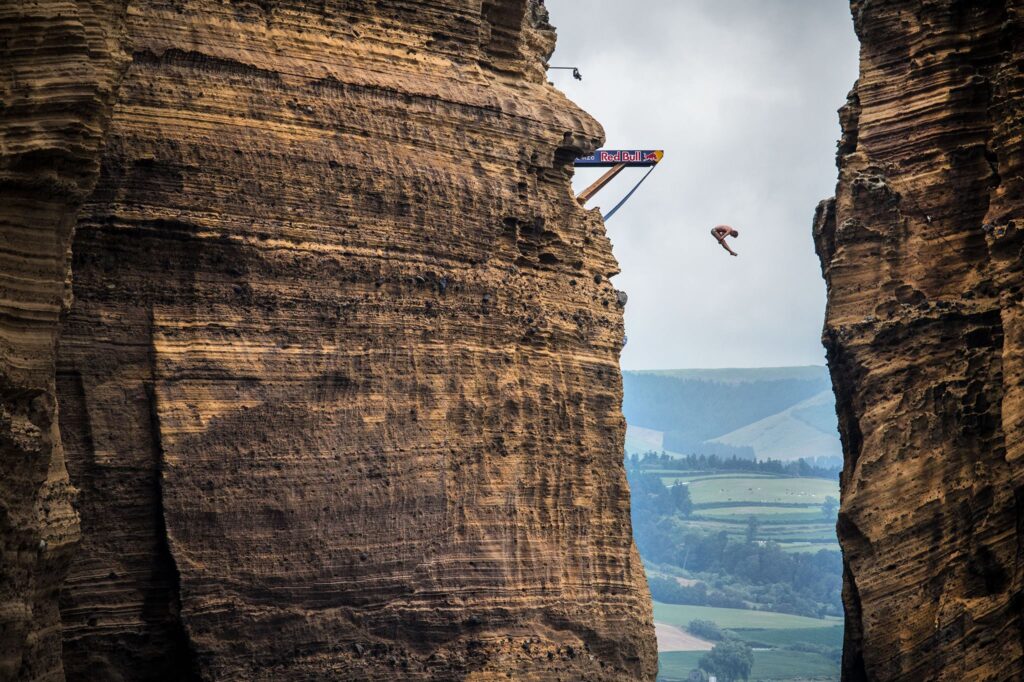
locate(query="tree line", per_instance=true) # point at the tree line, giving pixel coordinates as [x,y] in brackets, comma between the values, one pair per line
[713,463]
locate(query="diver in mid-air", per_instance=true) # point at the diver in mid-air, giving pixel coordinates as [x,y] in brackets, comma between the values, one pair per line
[720,232]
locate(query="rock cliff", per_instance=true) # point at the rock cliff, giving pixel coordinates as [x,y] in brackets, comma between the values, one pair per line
[921,249]
[60,65]
[339,385]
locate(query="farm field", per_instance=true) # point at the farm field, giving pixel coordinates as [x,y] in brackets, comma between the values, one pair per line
[811,547]
[760,629]
[805,514]
[790,538]
[831,636]
[672,638]
[788,509]
[680,616]
[673,476]
[762,489]
[675,666]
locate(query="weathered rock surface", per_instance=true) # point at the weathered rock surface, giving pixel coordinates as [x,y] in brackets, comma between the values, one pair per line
[339,386]
[921,249]
[60,63]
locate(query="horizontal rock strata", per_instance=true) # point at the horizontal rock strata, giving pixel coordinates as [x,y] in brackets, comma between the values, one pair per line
[921,249]
[60,63]
[339,386]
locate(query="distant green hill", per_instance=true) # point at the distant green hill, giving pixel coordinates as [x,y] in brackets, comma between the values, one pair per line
[808,430]
[777,412]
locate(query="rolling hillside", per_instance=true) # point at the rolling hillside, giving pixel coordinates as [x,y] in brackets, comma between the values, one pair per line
[775,412]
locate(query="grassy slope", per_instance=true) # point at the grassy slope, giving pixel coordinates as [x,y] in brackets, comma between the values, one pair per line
[675,614]
[697,405]
[758,489]
[639,439]
[829,637]
[800,522]
[790,434]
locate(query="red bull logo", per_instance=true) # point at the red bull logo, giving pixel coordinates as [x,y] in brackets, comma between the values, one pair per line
[614,157]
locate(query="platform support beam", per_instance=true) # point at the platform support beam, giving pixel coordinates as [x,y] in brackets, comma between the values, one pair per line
[589,192]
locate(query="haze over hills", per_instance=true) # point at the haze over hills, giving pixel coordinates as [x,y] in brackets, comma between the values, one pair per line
[735,544]
[765,412]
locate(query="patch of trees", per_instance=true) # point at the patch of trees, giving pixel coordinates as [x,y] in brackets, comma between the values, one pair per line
[677,442]
[830,507]
[669,591]
[729,661]
[652,497]
[758,573]
[705,629]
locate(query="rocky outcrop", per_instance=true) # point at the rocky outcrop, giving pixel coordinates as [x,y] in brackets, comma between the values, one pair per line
[339,387]
[60,63]
[921,249]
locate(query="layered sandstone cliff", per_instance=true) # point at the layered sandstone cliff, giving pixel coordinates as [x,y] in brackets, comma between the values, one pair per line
[339,385]
[922,249]
[60,65]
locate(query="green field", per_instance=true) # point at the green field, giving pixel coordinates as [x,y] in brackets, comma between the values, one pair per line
[831,636]
[799,514]
[787,509]
[760,629]
[680,616]
[672,476]
[811,547]
[768,665]
[783,414]
[795,532]
[760,489]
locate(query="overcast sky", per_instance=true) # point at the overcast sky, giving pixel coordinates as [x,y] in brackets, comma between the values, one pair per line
[742,96]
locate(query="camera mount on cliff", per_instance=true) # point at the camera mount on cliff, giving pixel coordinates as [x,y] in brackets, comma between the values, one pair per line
[575,71]
[617,160]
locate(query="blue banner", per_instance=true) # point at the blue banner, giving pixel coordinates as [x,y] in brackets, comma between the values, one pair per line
[613,157]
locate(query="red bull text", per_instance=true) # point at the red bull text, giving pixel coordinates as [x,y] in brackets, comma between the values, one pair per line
[613,157]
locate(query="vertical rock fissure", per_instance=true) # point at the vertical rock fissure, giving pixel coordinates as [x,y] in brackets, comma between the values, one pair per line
[180,662]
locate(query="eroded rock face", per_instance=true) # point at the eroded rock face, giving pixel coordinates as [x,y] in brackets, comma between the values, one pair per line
[921,249]
[60,63]
[339,387]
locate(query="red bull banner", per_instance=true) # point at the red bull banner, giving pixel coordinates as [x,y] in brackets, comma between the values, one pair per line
[613,157]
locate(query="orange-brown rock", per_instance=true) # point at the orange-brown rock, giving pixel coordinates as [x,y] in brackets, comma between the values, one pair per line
[60,64]
[921,249]
[339,386]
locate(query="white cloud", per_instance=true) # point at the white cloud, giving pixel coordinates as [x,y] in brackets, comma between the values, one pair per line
[742,95]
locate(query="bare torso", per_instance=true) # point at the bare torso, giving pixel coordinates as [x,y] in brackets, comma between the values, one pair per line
[720,232]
